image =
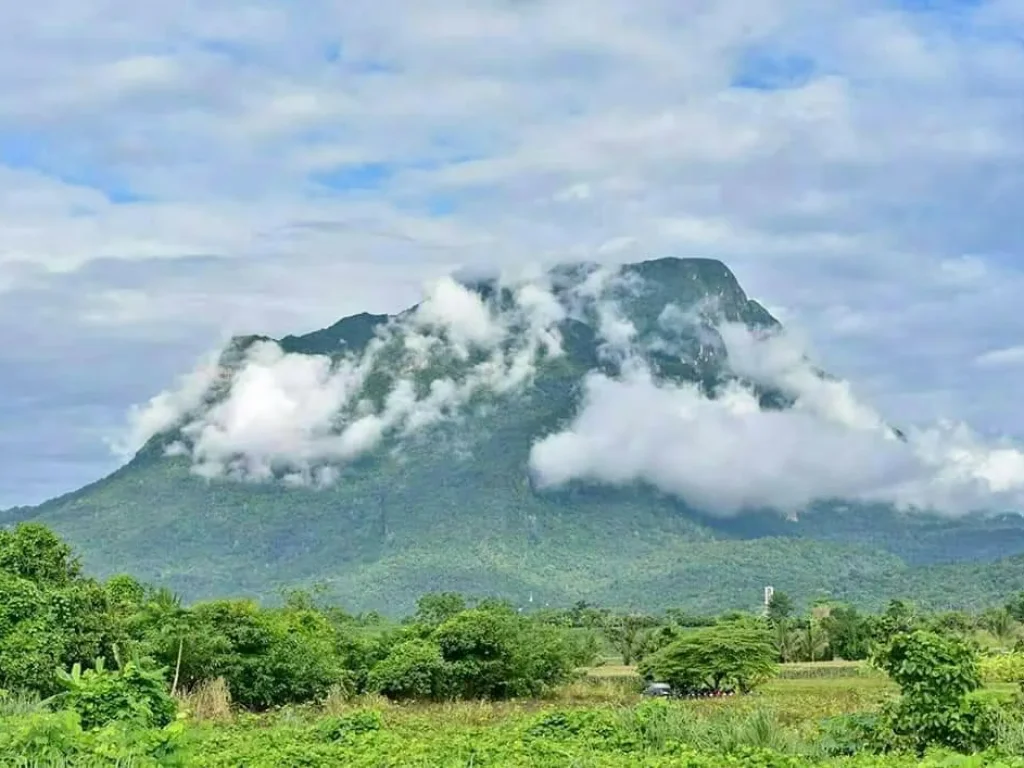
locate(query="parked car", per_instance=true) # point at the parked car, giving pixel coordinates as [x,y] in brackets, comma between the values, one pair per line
[658,689]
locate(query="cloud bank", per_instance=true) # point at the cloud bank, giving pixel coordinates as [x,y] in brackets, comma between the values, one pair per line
[294,415]
[298,417]
[728,454]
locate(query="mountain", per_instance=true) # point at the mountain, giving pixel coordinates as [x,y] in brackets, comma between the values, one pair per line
[460,445]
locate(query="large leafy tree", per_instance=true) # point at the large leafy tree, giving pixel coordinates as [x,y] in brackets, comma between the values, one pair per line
[849,633]
[435,608]
[730,656]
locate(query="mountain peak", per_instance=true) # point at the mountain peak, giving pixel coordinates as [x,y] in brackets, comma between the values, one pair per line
[644,290]
[347,390]
[626,435]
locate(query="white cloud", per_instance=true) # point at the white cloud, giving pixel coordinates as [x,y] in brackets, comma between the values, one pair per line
[166,410]
[300,417]
[330,150]
[996,358]
[727,454]
[291,415]
[460,314]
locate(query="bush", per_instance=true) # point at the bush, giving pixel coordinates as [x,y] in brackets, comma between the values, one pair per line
[267,658]
[845,735]
[936,673]
[49,617]
[496,654]
[412,670]
[482,653]
[100,696]
[338,728]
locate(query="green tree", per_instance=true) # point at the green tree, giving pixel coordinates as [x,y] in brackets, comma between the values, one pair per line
[267,657]
[780,608]
[482,653]
[479,649]
[1000,622]
[435,608]
[787,640]
[812,639]
[732,656]
[50,616]
[627,635]
[125,593]
[36,553]
[1015,607]
[849,633]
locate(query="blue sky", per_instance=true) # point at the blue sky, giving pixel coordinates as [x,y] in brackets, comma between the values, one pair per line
[197,169]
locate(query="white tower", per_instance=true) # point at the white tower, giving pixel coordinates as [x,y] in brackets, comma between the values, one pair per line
[768,592]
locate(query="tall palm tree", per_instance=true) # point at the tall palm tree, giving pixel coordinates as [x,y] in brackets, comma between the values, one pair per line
[813,640]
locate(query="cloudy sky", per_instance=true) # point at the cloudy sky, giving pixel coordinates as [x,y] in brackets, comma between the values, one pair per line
[171,174]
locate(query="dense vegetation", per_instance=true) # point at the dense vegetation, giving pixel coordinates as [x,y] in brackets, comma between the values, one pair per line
[427,520]
[93,673]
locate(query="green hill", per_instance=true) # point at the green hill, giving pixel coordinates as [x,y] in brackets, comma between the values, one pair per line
[434,488]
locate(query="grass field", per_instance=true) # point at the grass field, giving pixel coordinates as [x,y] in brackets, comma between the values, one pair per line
[597,721]
[600,720]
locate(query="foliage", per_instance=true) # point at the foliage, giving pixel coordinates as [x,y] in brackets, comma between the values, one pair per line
[34,552]
[780,607]
[309,668]
[736,656]
[413,669]
[657,734]
[1002,668]
[130,694]
[628,635]
[433,610]
[50,616]
[55,737]
[267,658]
[935,674]
[849,633]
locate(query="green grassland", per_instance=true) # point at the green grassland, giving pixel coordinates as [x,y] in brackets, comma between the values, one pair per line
[600,720]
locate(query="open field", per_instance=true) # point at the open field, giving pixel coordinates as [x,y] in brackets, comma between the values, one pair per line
[598,721]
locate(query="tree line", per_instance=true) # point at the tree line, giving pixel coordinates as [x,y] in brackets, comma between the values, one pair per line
[63,631]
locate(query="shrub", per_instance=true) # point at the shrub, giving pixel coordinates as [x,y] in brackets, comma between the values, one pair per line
[936,673]
[413,669]
[496,654]
[340,727]
[850,734]
[100,696]
[267,658]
